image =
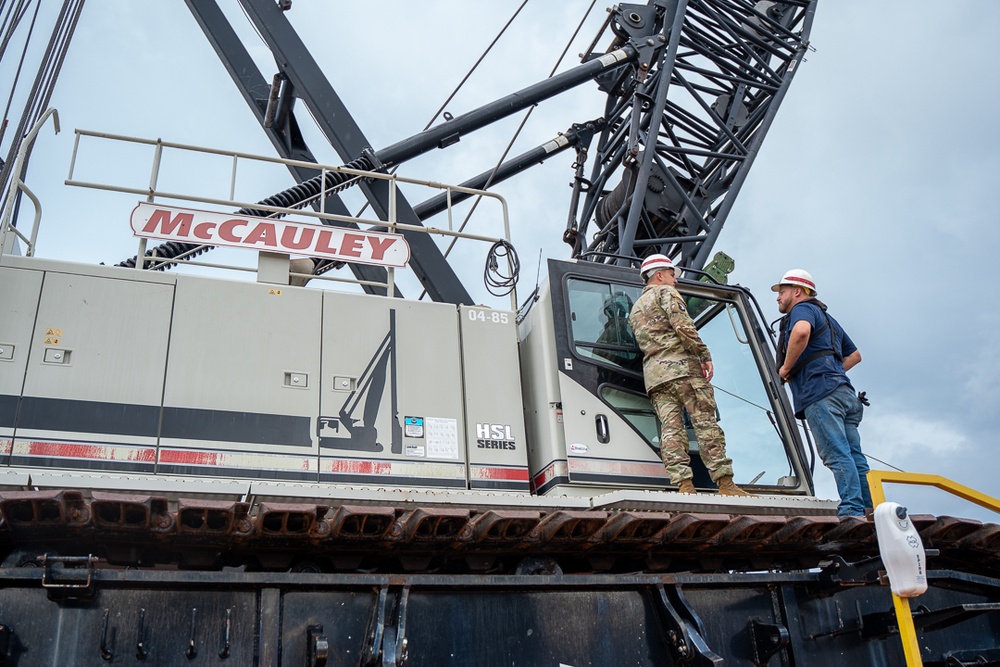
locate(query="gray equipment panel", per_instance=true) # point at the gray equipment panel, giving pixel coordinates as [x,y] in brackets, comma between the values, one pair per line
[392,410]
[243,372]
[89,377]
[19,296]
[498,452]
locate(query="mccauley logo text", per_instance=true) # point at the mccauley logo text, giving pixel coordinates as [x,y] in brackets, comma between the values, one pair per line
[171,223]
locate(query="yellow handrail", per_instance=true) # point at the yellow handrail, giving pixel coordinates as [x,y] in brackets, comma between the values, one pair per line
[876,478]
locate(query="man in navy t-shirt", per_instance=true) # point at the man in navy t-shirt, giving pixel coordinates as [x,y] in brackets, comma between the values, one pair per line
[814,355]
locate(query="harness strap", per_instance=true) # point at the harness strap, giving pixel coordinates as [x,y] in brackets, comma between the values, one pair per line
[802,363]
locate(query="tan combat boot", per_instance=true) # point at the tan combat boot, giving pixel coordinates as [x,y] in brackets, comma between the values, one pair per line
[727,488]
[686,486]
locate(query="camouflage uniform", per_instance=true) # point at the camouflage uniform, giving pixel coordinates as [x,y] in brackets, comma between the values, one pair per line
[674,380]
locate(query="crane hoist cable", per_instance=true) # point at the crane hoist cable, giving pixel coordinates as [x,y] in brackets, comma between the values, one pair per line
[11,22]
[497,282]
[506,250]
[55,55]
[476,65]
[324,265]
[40,94]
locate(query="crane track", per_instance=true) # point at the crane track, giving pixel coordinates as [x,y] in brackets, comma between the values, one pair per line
[150,531]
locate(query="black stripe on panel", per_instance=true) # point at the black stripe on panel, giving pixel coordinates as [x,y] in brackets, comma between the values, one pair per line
[62,414]
[102,465]
[555,481]
[8,410]
[617,480]
[237,473]
[499,485]
[227,426]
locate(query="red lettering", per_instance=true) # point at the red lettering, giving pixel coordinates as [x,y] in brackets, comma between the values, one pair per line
[203,231]
[304,241]
[379,246]
[263,233]
[226,230]
[181,222]
[352,245]
[323,243]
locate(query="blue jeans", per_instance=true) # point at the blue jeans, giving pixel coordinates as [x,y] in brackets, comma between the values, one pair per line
[834,421]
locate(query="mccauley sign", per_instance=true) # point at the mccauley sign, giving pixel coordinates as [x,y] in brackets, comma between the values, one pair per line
[171,223]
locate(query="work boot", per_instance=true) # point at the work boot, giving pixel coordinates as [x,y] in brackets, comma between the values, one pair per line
[687,486]
[727,488]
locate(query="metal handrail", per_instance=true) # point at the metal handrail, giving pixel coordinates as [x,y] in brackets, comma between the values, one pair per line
[876,479]
[16,184]
[392,224]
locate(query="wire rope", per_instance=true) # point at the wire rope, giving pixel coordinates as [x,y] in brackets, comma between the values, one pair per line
[42,87]
[9,23]
[20,64]
[322,266]
[511,280]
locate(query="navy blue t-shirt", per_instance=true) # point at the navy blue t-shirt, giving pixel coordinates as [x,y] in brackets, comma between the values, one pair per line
[822,375]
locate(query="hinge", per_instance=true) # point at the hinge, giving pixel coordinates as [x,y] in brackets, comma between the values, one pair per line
[68,576]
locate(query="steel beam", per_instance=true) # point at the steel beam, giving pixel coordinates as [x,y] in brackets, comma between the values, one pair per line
[284,135]
[333,119]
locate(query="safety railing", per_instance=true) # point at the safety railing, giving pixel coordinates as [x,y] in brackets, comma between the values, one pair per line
[153,193]
[876,480]
[18,185]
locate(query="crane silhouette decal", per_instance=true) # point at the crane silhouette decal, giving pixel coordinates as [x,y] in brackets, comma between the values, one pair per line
[362,434]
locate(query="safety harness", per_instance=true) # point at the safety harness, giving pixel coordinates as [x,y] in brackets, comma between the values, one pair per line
[783,339]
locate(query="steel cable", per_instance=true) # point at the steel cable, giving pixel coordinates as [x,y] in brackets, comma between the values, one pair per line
[45,79]
[491,264]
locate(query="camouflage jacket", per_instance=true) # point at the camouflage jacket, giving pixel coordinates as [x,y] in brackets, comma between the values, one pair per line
[667,336]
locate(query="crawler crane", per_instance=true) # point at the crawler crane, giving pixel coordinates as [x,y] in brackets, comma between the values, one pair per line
[363,478]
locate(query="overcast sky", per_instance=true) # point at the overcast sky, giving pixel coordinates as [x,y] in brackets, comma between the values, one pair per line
[879,175]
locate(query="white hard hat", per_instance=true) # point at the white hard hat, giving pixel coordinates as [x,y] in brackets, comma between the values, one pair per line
[796,278]
[655,263]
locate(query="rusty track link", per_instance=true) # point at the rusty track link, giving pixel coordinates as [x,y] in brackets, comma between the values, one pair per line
[133,530]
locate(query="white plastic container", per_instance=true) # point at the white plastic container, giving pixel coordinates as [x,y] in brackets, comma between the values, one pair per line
[901,549]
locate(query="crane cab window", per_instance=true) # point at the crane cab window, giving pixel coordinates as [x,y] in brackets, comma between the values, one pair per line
[599,323]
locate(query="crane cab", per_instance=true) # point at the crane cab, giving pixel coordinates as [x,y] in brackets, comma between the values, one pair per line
[590,424]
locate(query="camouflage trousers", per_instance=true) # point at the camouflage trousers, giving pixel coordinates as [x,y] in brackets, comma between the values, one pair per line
[695,395]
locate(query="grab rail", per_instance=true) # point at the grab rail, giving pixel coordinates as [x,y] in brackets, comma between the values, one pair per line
[876,480]
[16,184]
[154,192]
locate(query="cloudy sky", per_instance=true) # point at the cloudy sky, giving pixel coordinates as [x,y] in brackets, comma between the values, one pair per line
[879,175]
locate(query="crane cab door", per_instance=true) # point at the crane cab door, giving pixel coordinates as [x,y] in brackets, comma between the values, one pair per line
[606,432]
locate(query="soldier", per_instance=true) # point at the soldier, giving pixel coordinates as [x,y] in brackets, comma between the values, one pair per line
[814,355]
[677,367]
